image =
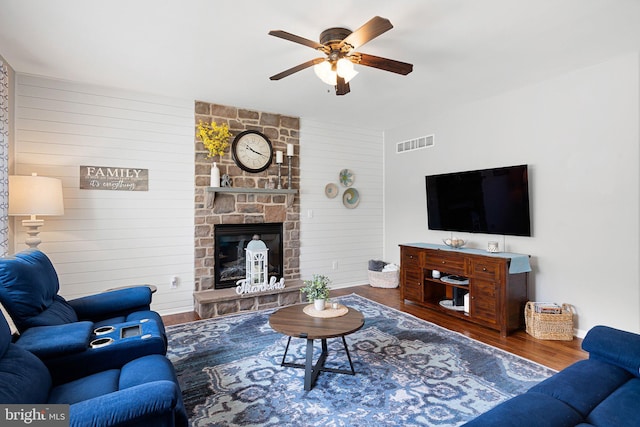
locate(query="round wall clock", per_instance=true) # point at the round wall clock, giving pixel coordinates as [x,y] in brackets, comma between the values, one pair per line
[252,151]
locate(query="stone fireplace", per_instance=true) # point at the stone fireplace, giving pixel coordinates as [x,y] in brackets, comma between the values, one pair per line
[248,201]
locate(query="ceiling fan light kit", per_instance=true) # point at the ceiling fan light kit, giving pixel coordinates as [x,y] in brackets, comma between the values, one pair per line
[328,72]
[339,45]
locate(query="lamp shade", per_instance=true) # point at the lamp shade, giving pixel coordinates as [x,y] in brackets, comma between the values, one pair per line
[35,195]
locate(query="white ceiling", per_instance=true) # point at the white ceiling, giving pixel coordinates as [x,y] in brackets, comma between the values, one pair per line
[219,51]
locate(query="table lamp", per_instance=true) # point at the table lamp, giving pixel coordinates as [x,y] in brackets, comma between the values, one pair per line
[31,196]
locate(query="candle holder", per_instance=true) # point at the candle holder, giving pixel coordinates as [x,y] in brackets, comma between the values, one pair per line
[289,172]
[279,176]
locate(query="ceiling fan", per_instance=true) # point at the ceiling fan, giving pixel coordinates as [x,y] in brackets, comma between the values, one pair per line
[339,45]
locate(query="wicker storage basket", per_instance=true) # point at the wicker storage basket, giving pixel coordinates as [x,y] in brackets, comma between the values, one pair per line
[547,326]
[384,279]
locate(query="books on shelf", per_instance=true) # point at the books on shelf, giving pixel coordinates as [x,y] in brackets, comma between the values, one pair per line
[547,308]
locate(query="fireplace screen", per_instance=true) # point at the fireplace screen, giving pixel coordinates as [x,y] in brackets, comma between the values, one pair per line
[230,243]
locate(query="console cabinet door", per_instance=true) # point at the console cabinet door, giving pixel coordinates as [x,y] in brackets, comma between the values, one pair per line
[486,284]
[411,273]
[412,285]
[484,301]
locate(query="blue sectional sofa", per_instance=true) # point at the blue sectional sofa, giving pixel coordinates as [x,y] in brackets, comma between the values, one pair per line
[141,392]
[82,336]
[29,289]
[602,391]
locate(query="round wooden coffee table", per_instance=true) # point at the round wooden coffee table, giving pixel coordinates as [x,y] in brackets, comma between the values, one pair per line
[292,321]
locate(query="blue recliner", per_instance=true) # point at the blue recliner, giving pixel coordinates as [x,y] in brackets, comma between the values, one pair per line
[29,289]
[77,337]
[141,392]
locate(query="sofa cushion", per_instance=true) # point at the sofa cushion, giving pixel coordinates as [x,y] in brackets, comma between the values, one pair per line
[53,341]
[528,410]
[58,313]
[29,287]
[154,367]
[86,388]
[23,376]
[139,371]
[620,409]
[153,404]
[584,384]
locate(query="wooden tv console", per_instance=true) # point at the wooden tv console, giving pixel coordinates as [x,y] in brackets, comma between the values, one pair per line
[497,290]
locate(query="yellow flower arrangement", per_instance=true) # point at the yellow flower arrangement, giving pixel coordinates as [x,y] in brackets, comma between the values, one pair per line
[214,137]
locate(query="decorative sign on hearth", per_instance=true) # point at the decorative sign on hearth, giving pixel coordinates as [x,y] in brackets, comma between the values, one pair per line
[113,178]
[245,287]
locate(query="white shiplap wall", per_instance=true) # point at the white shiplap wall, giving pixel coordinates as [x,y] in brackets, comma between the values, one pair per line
[330,232]
[112,238]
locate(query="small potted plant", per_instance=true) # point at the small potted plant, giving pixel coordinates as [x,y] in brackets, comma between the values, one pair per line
[317,290]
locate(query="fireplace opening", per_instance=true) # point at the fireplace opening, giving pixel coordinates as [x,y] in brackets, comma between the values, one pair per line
[230,242]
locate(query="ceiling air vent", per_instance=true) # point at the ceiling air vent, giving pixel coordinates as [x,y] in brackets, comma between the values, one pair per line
[415,144]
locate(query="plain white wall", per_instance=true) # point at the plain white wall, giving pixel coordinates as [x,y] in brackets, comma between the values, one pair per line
[329,231]
[579,133]
[112,238]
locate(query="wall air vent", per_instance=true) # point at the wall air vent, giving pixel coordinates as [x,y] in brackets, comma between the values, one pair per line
[415,144]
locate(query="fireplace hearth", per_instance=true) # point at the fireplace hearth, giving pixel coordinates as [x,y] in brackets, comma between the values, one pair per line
[230,243]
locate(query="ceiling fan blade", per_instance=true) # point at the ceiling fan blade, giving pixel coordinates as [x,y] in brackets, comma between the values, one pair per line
[297,68]
[342,87]
[296,39]
[385,64]
[369,31]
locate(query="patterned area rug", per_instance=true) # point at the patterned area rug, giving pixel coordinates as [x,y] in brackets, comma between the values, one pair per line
[409,372]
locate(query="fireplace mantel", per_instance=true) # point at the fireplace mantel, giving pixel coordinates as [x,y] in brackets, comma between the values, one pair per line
[290,193]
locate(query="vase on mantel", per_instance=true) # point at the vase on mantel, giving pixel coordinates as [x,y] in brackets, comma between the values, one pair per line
[215,175]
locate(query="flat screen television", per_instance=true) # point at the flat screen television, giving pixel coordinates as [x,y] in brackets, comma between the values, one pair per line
[491,201]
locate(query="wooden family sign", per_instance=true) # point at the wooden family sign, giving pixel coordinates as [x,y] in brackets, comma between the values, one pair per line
[113,178]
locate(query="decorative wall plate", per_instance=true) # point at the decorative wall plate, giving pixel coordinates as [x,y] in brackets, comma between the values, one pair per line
[347,177]
[351,198]
[331,190]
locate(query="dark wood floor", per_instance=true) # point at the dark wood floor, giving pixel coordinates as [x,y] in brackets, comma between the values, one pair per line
[554,354]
